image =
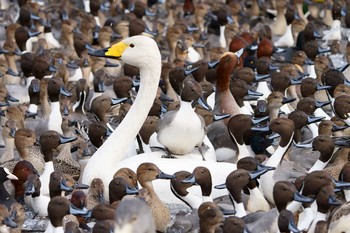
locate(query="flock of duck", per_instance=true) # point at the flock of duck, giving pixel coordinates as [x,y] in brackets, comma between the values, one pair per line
[175,116]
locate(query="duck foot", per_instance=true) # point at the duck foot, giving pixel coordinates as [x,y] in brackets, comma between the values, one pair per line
[203,149]
[168,155]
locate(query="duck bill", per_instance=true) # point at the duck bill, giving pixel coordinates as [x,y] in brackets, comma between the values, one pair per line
[64,140]
[295,82]
[34,17]
[108,132]
[165,98]
[341,184]
[4,104]
[227,212]
[260,77]
[65,111]
[52,69]
[101,86]
[319,104]
[303,145]
[110,64]
[212,64]
[101,198]
[192,29]
[336,128]
[273,136]
[81,186]
[220,186]
[4,51]
[75,211]
[9,222]
[332,200]
[65,92]
[11,98]
[11,72]
[13,132]
[33,34]
[259,120]
[30,114]
[10,176]
[301,198]
[198,45]
[250,98]
[131,190]
[188,72]
[150,14]
[116,101]
[261,129]
[343,68]
[323,50]
[311,120]
[165,176]
[148,31]
[65,187]
[72,65]
[317,35]
[286,100]
[262,170]
[239,53]
[221,116]
[86,152]
[29,189]
[308,62]
[254,93]
[292,227]
[320,87]
[35,87]
[189,180]
[202,103]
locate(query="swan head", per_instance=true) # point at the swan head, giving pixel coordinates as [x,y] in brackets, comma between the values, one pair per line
[137,51]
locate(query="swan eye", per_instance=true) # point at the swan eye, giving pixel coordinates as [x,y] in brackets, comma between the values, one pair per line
[132,45]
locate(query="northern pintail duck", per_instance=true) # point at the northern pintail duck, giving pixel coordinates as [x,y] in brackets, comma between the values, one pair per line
[134,215]
[95,194]
[210,217]
[146,173]
[49,141]
[234,224]
[25,140]
[275,101]
[284,193]
[5,198]
[179,122]
[8,134]
[325,199]
[279,26]
[339,219]
[286,222]
[285,128]
[119,188]
[235,182]
[59,207]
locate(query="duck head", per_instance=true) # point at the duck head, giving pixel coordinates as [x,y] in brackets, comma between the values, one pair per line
[210,216]
[58,184]
[128,174]
[148,172]
[33,185]
[201,176]
[97,190]
[118,188]
[50,140]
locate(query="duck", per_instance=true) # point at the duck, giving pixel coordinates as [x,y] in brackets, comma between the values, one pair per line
[25,140]
[119,188]
[173,122]
[146,173]
[285,128]
[18,215]
[49,141]
[134,215]
[210,217]
[59,207]
[104,226]
[8,134]
[275,101]
[6,220]
[339,220]
[325,199]
[224,100]
[22,170]
[5,198]
[284,193]
[286,222]
[105,155]
[235,182]
[95,194]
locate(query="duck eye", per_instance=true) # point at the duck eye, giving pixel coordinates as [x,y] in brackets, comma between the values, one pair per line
[132,45]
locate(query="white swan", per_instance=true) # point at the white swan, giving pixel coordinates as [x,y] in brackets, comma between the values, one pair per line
[142,52]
